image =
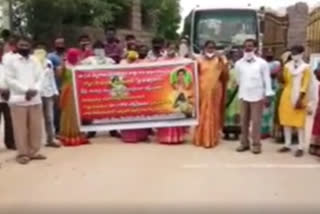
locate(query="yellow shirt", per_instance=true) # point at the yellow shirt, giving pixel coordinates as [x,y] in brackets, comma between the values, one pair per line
[288,114]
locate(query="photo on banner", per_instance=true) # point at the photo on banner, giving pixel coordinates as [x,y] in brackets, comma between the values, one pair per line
[161,94]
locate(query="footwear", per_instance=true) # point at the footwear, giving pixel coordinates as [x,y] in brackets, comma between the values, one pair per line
[265,136]
[22,159]
[299,153]
[91,135]
[284,150]
[256,150]
[38,157]
[53,145]
[243,148]
[115,134]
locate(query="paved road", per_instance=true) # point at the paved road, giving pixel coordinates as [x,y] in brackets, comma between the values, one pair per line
[147,177]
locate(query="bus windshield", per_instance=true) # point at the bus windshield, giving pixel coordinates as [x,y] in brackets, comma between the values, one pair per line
[225,27]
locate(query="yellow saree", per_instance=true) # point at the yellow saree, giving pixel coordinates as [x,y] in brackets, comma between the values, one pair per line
[213,76]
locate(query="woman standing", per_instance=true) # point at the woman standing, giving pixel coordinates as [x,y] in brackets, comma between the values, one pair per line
[213,77]
[181,83]
[315,143]
[69,131]
[232,114]
[278,129]
[135,135]
[293,102]
[269,108]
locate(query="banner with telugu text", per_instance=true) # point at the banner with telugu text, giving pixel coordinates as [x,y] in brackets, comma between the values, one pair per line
[146,95]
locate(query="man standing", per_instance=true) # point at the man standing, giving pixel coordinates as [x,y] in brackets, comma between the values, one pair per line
[112,48]
[49,92]
[157,51]
[253,76]
[114,51]
[56,58]
[5,110]
[24,79]
[85,46]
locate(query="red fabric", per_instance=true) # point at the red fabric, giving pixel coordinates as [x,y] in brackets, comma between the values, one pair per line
[134,136]
[73,56]
[173,135]
[316,123]
[78,141]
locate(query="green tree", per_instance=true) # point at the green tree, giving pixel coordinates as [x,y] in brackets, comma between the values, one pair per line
[168,19]
[167,16]
[41,18]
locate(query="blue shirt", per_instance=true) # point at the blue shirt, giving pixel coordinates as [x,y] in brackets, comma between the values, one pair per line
[56,62]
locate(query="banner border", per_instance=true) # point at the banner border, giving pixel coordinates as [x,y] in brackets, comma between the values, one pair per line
[137,125]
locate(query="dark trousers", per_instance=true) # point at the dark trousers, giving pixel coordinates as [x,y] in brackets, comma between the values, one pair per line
[48,108]
[56,118]
[8,129]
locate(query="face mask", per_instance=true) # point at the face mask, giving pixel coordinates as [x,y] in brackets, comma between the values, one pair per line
[269,58]
[210,55]
[24,52]
[184,50]
[157,49]
[99,52]
[60,49]
[249,55]
[297,58]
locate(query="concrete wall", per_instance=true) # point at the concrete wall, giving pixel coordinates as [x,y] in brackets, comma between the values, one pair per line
[298,15]
[137,29]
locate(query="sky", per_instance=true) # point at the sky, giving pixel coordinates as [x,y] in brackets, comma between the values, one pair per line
[188,5]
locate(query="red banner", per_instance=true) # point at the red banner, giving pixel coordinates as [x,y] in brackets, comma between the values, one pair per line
[136,96]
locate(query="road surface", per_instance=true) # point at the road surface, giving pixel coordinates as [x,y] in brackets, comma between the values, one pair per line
[148,177]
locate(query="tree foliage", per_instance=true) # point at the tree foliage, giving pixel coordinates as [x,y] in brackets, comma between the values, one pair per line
[167,13]
[42,18]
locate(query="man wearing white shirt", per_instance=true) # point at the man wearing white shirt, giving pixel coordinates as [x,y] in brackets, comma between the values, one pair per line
[5,110]
[253,76]
[24,79]
[49,91]
[10,53]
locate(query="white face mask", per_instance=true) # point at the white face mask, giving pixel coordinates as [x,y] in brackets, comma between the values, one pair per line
[183,49]
[249,55]
[210,55]
[297,58]
[99,52]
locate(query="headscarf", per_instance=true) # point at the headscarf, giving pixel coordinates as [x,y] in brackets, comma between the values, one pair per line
[132,56]
[73,56]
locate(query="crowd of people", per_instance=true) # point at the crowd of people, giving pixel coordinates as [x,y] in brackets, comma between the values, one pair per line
[243,94]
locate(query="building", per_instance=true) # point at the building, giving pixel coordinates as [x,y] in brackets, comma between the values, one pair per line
[133,20]
[275,33]
[313,32]
[138,25]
